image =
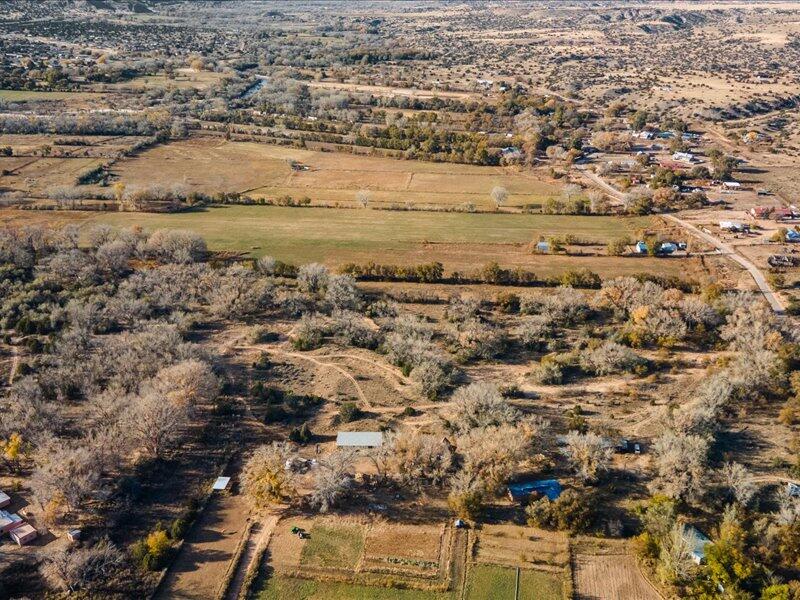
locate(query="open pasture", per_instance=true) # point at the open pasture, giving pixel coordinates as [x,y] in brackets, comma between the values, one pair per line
[211,165]
[460,241]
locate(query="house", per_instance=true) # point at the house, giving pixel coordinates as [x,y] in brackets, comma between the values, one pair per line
[731,185]
[359,439]
[24,534]
[784,214]
[732,226]
[9,521]
[543,247]
[698,543]
[667,248]
[511,153]
[641,248]
[686,157]
[520,492]
[793,490]
[761,212]
[5,499]
[792,235]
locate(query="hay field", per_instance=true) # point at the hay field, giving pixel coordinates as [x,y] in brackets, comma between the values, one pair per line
[461,241]
[211,164]
[29,95]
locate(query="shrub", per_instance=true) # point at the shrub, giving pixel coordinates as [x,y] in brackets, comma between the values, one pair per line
[349,412]
[571,511]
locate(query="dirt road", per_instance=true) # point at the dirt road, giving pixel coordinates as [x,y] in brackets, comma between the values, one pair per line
[726,249]
[211,544]
[730,251]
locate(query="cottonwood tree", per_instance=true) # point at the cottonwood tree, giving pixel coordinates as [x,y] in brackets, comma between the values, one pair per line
[265,479]
[499,196]
[491,454]
[675,558]
[155,423]
[332,480]
[240,292]
[175,246]
[680,461]
[588,453]
[76,569]
[187,383]
[739,481]
[480,405]
[64,473]
[421,458]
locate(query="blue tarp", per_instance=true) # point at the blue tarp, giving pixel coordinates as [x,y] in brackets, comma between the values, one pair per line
[523,489]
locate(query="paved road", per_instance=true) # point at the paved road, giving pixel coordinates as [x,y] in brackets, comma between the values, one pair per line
[772,298]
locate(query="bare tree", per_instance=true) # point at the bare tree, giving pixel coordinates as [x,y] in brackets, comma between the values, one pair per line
[155,422]
[739,482]
[421,458]
[481,405]
[332,481]
[588,453]
[74,569]
[499,196]
[675,560]
[680,462]
[362,197]
[342,292]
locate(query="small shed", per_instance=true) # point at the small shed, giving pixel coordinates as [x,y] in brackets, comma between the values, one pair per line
[5,499]
[221,484]
[698,543]
[521,491]
[359,439]
[731,185]
[641,247]
[792,235]
[542,247]
[24,534]
[793,489]
[668,248]
[731,225]
[9,521]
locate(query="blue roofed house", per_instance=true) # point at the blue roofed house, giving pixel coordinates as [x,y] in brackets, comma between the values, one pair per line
[792,235]
[641,248]
[668,248]
[521,491]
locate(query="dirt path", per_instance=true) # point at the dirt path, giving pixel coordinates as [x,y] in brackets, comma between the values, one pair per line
[260,535]
[211,544]
[344,373]
[14,364]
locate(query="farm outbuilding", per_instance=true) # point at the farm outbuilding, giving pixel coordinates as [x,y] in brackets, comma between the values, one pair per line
[9,521]
[523,490]
[359,439]
[24,534]
[5,499]
[793,489]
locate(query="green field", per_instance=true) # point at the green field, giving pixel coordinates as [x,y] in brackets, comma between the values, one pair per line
[460,241]
[279,587]
[488,581]
[339,547]
[338,235]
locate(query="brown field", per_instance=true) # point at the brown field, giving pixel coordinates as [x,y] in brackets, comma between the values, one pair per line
[611,577]
[522,546]
[211,164]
